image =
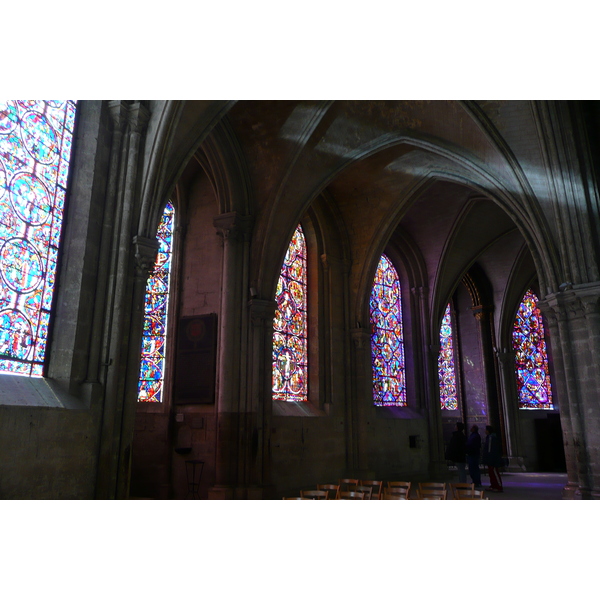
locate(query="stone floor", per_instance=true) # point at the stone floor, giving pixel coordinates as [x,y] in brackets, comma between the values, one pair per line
[528,486]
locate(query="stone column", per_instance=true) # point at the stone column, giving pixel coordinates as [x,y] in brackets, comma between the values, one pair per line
[437,463]
[506,360]
[362,386]
[483,314]
[571,357]
[145,250]
[260,397]
[560,398]
[591,364]
[231,435]
[425,375]
[114,449]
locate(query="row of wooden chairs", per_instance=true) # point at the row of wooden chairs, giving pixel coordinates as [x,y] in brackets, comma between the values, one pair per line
[356,489]
[458,491]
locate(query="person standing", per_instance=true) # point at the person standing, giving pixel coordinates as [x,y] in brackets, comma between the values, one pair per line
[457,451]
[473,449]
[492,457]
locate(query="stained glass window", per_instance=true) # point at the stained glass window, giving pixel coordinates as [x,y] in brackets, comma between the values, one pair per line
[152,368]
[387,345]
[446,371]
[290,350]
[531,359]
[35,149]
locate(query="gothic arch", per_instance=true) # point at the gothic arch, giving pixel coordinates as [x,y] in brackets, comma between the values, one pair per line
[175,131]
[510,190]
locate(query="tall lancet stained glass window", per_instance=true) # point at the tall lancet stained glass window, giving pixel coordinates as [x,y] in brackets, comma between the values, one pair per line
[290,349]
[446,370]
[531,358]
[35,149]
[152,368]
[387,342]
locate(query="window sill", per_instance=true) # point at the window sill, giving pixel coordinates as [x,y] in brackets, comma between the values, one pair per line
[397,412]
[16,390]
[296,409]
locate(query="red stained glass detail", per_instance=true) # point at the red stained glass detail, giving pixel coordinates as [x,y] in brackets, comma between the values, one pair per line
[290,340]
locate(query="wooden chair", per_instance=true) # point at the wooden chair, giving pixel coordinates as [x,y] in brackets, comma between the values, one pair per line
[466,494]
[367,490]
[404,485]
[391,493]
[296,498]
[432,495]
[332,488]
[351,496]
[454,487]
[432,491]
[314,494]
[375,487]
[346,485]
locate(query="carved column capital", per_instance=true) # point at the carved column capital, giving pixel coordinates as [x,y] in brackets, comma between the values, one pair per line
[591,305]
[118,112]
[233,226]
[565,305]
[261,311]
[482,312]
[138,117]
[361,336]
[419,291]
[328,261]
[145,250]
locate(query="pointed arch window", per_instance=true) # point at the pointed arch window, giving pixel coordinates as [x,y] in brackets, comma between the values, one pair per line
[35,150]
[387,342]
[446,366]
[531,358]
[152,367]
[290,325]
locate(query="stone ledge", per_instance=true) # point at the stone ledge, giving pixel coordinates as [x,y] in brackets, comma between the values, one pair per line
[17,390]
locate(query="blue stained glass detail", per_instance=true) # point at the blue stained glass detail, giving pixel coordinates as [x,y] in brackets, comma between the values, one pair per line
[531,358]
[35,141]
[446,370]
[152,367]
[387,341]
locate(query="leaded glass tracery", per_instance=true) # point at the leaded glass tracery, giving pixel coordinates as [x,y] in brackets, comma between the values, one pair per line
[531,358]
[387,342]
[35,150]
[152,367]
[290,325]
[446,368]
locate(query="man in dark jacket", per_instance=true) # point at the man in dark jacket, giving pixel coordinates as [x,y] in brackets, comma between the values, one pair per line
[457,453]
[492,457]
[473,451]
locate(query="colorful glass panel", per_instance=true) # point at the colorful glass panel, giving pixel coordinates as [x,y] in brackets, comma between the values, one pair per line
[35,150]
[152,368]
[290,325]
[446,370]
[387,342]
[531,358]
